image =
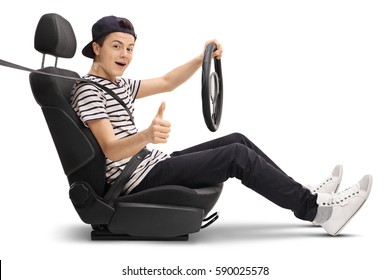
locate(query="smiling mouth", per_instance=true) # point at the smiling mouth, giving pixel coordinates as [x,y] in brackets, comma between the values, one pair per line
[120,64]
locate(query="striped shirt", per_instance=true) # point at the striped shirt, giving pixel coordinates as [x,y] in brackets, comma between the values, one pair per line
[93,103]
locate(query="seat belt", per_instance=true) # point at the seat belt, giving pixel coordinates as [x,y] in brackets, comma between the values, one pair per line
[115,190]
[113,95]
[106,89]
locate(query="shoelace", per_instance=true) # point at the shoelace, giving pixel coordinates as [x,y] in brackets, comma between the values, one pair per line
[315,189]
[337,198]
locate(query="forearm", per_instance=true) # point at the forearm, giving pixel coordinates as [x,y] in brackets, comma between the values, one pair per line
[177,76]
[182,73]
[119,149]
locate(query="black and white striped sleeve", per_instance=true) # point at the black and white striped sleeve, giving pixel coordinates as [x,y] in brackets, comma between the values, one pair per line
[89,103]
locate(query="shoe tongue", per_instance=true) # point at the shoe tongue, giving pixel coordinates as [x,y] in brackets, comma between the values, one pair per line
[323,198]
[345,194]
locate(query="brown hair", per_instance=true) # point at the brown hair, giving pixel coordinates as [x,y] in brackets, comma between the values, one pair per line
[126,24]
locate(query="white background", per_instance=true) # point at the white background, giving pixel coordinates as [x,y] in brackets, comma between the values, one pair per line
[307,81]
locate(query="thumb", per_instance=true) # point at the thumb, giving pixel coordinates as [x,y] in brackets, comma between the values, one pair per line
[161,110]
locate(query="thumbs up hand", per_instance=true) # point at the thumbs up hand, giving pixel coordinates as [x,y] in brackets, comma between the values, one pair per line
[158,131]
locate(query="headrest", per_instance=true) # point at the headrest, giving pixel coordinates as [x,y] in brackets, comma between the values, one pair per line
[54,35]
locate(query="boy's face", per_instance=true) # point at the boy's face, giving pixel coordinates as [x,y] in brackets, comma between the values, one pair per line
[113,57]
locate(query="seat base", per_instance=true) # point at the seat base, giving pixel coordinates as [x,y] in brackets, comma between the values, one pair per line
[102,235]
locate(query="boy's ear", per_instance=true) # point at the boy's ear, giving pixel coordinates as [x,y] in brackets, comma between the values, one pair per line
[96,48]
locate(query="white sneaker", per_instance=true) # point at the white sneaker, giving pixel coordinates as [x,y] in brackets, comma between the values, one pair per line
[330,184]
[344,205]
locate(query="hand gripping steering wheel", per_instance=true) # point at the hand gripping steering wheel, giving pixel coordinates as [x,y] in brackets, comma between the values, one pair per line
[212,89]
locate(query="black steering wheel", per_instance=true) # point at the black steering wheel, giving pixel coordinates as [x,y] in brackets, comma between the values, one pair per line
[212,89]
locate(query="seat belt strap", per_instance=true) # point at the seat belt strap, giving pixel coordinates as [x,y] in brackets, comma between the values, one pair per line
[113,95]
[116,189]
[106,89]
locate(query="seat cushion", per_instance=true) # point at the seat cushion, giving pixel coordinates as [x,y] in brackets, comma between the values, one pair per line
[204,198]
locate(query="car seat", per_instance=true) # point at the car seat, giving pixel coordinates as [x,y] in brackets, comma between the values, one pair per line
[164,213]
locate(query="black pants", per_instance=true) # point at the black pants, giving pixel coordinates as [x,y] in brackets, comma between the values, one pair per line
[227,157]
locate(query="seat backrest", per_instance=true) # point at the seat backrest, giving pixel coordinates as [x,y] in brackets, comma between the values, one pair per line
[78,150]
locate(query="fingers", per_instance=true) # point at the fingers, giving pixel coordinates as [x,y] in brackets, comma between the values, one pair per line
[218,51]
[160,137]
[160,131]
[160,128]
[160,116]
[161,110]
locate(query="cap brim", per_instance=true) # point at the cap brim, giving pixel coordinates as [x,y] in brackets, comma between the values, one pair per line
[88,51]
